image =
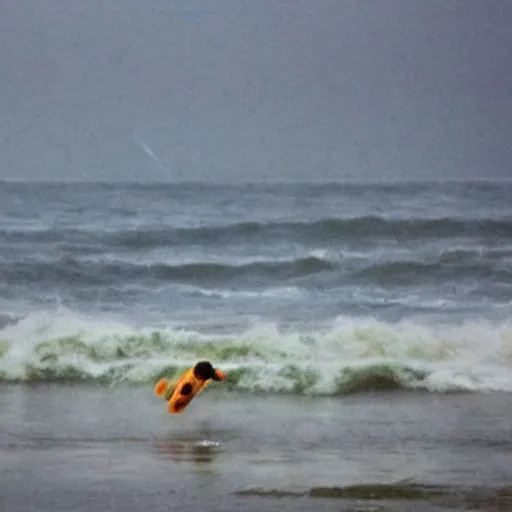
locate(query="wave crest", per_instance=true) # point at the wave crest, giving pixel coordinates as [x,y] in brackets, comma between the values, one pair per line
[355,229]
[350,356]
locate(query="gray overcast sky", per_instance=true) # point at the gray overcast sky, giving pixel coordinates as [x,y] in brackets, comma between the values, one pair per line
[255,90]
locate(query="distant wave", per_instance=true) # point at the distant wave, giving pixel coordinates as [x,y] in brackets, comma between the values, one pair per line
[352,355]
[274,292]
[329,229]
[403,272]
[449,265]
[72,271]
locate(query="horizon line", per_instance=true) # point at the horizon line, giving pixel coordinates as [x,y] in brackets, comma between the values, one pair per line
[252,182]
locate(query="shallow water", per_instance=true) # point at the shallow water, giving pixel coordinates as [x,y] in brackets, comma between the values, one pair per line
[97,448]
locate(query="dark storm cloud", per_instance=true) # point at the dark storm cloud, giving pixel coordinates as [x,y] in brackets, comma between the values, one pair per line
[217,90]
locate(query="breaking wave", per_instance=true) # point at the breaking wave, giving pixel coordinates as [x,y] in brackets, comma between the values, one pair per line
[351,355]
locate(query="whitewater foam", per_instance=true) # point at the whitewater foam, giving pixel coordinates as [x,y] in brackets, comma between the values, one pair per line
[273,292]
[348,355]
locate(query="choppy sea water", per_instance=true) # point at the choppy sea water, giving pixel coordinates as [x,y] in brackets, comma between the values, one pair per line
[303,289]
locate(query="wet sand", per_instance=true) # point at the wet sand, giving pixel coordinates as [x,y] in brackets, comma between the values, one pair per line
[81,448]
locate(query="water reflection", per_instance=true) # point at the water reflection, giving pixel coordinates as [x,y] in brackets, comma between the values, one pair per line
[201,452]
[200,445]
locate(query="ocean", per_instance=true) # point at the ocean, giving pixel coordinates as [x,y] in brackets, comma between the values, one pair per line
[364,329]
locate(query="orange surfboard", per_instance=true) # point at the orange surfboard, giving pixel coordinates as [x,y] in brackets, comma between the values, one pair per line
[191,383]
